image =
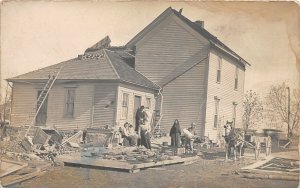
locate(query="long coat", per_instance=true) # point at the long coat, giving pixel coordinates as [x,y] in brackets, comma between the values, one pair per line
[139,118]
[175,133]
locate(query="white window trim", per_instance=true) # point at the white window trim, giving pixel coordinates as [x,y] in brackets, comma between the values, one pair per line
[236,78]
[219,69]
[216,112]
[122,107]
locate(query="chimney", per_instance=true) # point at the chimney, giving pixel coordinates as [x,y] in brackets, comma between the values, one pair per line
[180,11]
[199,23]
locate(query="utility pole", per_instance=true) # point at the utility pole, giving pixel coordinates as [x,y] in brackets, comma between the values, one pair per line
[289,111]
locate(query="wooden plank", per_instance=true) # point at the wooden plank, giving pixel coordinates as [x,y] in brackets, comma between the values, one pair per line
[113,164]
[23,178]
[268,176]
[99,163]
[11,166]
[165,162]
[267,165]
[262,171]
[257,164]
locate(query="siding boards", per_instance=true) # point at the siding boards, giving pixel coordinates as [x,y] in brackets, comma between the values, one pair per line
[169,46]
[226,93]
[24,100]
[82,107]
[185,99]
[23,103]
[104,104]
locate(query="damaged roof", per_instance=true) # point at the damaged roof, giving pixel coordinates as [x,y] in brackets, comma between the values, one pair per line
[103,64]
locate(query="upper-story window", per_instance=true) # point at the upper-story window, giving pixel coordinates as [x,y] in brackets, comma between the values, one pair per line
[125,100]
[236,78]
[219,69]
[234,113]
[216,116]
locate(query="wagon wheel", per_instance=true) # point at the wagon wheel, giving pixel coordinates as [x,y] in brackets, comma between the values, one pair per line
[268,145]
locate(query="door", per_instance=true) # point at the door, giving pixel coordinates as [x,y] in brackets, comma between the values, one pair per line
[41,117]
[136,105]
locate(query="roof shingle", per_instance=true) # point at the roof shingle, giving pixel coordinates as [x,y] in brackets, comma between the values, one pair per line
[97,65]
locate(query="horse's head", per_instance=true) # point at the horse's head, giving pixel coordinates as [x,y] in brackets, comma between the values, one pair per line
[228,127]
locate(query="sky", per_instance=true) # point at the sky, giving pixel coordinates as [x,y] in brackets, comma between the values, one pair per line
[36,34]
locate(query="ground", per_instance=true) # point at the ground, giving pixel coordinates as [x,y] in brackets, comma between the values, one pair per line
[209,171]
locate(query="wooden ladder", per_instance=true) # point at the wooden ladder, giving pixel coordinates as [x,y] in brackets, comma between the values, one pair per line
[42,98]
[155,123]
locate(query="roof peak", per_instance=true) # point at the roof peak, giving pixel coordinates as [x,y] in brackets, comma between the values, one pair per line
[194,25]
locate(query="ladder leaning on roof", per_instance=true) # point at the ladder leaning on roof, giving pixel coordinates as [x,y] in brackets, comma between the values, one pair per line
[41,99]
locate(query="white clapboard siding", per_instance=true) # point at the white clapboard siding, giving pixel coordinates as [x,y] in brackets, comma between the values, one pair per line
[82,106]
[104,104]
[24,100]
[170,44]
[185,97]
[225,92]
[132,91]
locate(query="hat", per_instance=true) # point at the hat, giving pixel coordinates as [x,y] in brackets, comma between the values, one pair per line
[193,124]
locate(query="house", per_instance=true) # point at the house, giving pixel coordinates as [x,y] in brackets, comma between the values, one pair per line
[173,66]
[95,89]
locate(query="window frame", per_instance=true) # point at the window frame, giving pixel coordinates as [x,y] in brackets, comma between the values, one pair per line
[234,112]
[236,78]
[219,70]
[125,105]
[216,112]
[148,102]
[67,113]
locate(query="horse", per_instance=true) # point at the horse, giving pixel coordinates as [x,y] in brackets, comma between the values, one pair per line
[234,138]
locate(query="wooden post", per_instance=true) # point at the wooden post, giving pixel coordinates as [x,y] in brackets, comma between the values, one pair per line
[289,111]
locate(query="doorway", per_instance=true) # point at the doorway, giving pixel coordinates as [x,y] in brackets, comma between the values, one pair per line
[136,105]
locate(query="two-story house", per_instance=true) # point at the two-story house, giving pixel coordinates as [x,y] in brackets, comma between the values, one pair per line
[173,65]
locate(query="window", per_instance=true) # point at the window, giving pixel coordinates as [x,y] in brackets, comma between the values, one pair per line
[219,70]
[216,116]
[234,113]
[69,105]
[236,78]
[125,106]
[148,103]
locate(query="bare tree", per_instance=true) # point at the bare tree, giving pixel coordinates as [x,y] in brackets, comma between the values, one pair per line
[285,105]
[5,105]
[253,109]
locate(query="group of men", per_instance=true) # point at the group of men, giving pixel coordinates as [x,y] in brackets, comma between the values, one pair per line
[140,134]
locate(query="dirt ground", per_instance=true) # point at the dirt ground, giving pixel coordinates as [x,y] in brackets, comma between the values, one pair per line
[209,171]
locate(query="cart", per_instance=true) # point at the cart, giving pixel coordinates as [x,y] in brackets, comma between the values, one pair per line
[256,141]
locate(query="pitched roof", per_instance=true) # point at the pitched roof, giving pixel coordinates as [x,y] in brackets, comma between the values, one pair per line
[211,38]
[97,65]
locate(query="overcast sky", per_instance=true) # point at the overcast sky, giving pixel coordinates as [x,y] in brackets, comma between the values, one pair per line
[39,34]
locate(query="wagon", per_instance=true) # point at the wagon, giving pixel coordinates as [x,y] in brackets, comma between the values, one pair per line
[255,141]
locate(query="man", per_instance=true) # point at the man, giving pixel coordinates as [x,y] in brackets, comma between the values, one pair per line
[145,130]
[139,118]
[190,135]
